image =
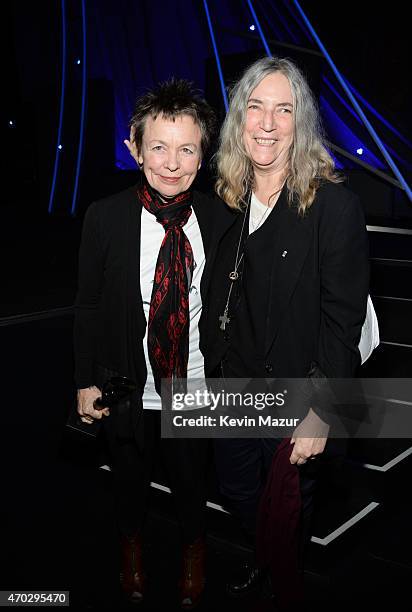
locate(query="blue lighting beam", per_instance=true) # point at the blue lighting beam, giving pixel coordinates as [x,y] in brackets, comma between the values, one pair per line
[61,112]
[83,109]
[259,27]
[219,67]
[356,105]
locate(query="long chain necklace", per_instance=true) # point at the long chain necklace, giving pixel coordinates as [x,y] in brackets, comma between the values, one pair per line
[234,274]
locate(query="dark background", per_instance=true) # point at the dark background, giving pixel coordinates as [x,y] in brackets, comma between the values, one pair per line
[131,45]
[57,514]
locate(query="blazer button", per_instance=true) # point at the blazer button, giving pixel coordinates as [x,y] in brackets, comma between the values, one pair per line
[268,368]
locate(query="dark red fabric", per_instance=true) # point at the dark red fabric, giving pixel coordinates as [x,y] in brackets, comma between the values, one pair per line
[168,325]
[278,526]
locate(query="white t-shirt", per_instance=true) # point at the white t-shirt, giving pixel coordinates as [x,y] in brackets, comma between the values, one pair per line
[152,234]
[258,213]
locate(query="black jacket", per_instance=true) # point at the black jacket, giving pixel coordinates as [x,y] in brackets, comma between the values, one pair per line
[317,293]
[109,319]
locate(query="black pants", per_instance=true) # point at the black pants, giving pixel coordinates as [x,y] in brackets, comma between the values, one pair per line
[185,461]
[242,466]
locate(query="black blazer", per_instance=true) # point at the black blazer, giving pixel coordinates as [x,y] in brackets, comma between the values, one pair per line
[317,294]
[109,324]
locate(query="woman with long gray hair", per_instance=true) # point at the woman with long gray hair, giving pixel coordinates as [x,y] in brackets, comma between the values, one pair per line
[287,299]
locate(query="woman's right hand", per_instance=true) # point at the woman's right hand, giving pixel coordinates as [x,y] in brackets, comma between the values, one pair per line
[85,407]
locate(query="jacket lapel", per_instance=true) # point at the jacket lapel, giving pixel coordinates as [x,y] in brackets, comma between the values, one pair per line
[293,241]
[222,218]
[133,256]
[202,206]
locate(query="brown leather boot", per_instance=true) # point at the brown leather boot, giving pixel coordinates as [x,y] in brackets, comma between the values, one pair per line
[132,576]
[192,578]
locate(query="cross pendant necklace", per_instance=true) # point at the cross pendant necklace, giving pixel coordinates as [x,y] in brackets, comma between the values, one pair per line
[234,274]
[224,319]
[233,277]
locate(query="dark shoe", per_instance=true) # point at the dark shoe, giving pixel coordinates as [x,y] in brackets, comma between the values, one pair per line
[251,579]
[192,578]
[132,577]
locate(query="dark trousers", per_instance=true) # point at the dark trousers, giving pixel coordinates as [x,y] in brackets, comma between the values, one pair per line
[242,466]
[185,461]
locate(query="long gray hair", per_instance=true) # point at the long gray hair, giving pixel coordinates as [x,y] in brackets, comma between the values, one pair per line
[309,161]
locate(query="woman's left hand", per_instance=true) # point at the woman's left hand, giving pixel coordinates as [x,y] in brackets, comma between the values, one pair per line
[309,447]
[306,448]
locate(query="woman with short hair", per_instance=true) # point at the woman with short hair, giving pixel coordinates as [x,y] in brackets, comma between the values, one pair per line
[137,310]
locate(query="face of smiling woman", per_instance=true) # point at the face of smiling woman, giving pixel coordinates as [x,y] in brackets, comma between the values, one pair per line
[268,131]
[170,153]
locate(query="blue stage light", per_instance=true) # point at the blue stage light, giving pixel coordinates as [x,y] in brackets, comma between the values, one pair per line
[380,117]
[62,96]
[60,147]
[252,27]
[216,52]
[11,123]
[359,151]
[78,62]
[83,110]
[341,134]
[355,104]
[262,36]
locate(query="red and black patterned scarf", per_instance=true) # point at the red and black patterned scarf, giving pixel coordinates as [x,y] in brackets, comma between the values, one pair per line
[168,325]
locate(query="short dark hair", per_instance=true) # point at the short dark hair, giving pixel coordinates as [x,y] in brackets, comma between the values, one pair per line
[171,99]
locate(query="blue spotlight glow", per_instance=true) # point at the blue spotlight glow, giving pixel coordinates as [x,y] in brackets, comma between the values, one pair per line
[78,62]
[341,134]
[359,151]
[355,104]
[359,120]
[375,112]
[252,27]
[11,123]
[379,116]
[60,147]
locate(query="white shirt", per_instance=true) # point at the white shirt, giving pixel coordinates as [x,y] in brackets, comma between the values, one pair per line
[152,234]
[258,213]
